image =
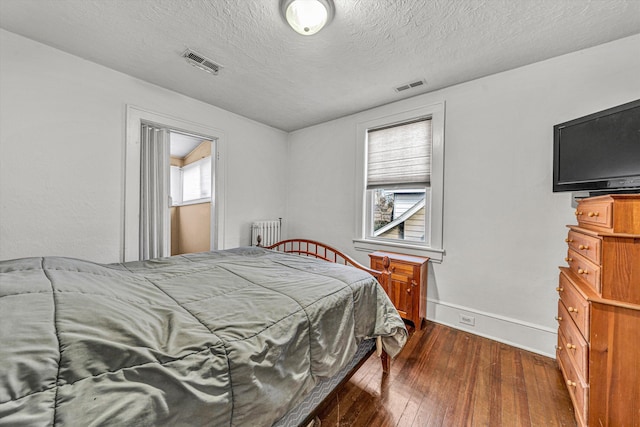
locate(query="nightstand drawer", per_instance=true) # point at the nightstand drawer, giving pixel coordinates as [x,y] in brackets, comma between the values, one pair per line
[587,246]
[401,268]
[584,269]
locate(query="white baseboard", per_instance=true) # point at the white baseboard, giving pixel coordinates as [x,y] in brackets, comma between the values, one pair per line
[527,336]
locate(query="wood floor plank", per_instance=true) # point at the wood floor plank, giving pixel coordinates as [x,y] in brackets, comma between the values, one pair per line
[447,377]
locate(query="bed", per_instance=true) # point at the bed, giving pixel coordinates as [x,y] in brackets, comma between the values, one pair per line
[235,337]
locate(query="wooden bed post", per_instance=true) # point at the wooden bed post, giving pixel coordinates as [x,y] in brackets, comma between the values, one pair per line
[385,275]
[385,279]
[386,362]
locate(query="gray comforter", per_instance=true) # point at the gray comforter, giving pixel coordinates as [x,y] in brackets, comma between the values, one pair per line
[221,338]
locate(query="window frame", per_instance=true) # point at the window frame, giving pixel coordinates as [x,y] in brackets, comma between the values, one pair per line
[433,249]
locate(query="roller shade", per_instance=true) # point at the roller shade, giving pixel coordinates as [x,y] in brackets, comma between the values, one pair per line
[399,155]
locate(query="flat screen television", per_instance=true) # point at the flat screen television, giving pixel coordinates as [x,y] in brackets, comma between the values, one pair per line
[599,153]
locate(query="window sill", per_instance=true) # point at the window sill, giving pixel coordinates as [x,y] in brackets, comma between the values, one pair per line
[435,255]
[192,202]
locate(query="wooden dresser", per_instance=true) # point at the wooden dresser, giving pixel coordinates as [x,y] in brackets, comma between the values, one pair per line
[405,282]
[598,347]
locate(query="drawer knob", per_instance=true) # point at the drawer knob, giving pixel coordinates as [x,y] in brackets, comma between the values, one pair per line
[571,347]
[568,240]
[592,214]
[571,383]
[583,247]
[568,259]
[581,271]
[409,291]
[578,213]
[559,318]
[572,310]
[559,347]
[559,289]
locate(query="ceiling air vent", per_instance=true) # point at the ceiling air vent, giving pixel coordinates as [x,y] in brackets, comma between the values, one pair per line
[201,62]
[411,85]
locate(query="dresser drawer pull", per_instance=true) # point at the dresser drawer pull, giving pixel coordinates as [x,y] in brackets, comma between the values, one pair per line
[572,310]
[559,318]
[571,383]
[568,259]
[559,347]
[559,289]
[571,346]
[583,247]
[581,271]
[578,213]
[592,214]
[568,240]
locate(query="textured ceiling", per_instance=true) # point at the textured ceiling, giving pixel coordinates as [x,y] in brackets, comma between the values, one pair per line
[277,77]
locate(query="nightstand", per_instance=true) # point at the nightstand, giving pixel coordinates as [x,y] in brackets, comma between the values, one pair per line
[405,282]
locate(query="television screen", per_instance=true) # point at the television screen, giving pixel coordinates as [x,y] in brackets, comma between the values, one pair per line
[599,151]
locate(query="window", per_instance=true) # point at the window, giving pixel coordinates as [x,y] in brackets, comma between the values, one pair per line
[398,175]
[402,169]
[191,183]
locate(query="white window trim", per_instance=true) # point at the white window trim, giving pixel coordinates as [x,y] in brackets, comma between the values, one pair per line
[131,197]
[435,249]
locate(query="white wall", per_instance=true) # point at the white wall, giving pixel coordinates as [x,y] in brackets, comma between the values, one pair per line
[504,229]
[62,142]
[62,131]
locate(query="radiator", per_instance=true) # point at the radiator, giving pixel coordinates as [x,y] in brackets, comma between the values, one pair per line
[269,232]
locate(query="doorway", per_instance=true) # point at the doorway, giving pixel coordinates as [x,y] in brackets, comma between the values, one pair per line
[190,192]
[132,211]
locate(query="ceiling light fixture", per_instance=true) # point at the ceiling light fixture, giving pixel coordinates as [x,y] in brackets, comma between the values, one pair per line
[307,17]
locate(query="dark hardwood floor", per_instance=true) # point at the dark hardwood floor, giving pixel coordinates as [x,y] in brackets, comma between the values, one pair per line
[446,377]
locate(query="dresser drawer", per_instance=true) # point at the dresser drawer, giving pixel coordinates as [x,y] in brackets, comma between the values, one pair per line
[587,246]
[585,269]
[578,390]
[595,213]
[574,344]
[575,305]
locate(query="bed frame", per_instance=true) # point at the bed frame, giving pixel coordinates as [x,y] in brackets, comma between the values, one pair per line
[312,248]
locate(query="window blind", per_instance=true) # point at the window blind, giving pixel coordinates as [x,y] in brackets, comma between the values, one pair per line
[399,155]
[196,180]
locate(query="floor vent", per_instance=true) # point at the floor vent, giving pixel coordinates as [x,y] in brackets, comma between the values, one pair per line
[411,85]
[201,62]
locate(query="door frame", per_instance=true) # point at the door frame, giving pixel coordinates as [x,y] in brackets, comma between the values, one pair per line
[131,177]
